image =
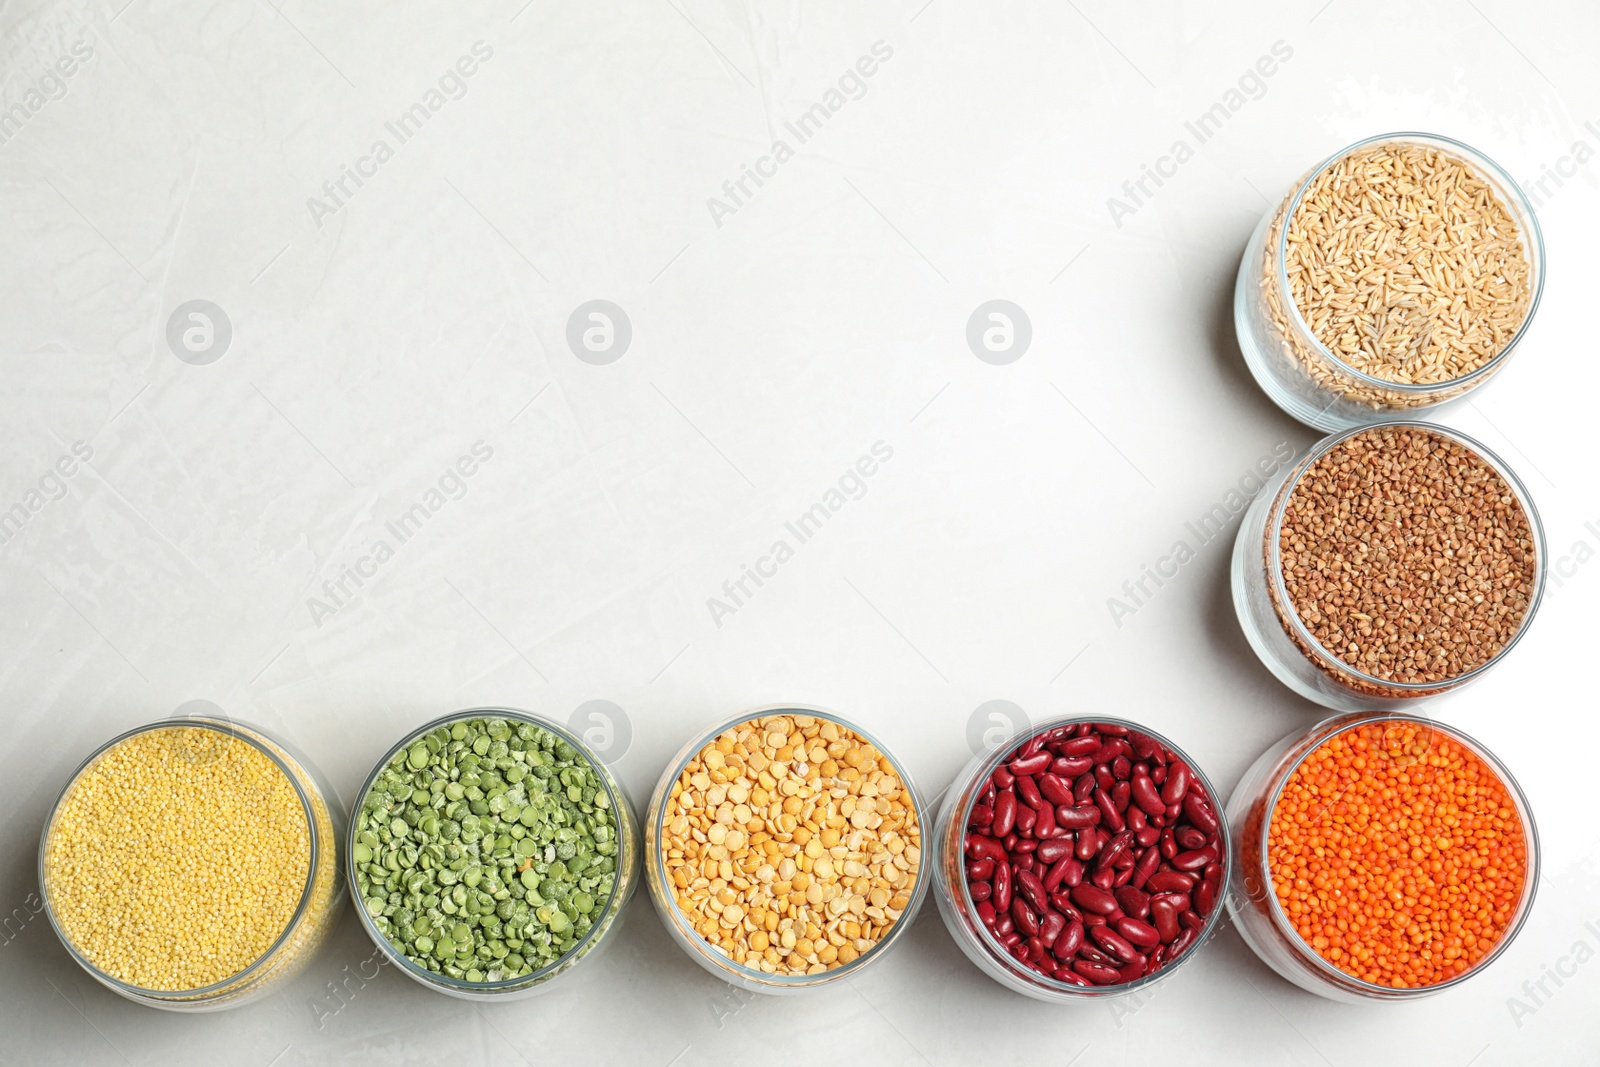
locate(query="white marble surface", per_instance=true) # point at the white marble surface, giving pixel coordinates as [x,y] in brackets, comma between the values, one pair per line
[378,336]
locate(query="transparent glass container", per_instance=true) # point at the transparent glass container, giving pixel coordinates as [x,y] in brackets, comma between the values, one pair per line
[678,924]
[1282,641]
[320,898]
[1297,370]
[960,910]
[1254,906]
[600,935]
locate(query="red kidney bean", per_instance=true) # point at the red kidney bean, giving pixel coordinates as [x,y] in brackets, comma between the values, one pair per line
[1056,789]
[1171,882]
[1196,860]
[1112,849]
[1024,917]
[1108,810]
[1099,854]
[1139,934]
[1093,898]
[1078,817]
[1177,782]
[1079,746]
[1051,923]
[1200,813]
[1070,977]
[1033,889]
[1005,814]
[1097,973]
[1052,850]
[1142,745]
[1083,789]
[1165,919]
[1205,898]
[1178,902]
[1002,888]
[1068,941]
[1065,871]
[1149,860]
[980,847]
[1134,902]
[1145,795]
[1114,944]
[1111,729]
[1069,767]
[1030,764]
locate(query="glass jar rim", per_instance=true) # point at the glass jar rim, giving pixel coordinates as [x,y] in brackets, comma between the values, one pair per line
[261,741]
[657,858]
[584,944]
[1517,205]
[957,830]
[1274,556]
[1331,728]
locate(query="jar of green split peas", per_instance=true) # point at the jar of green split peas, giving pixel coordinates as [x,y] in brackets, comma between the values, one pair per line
[189,864]
[492,851]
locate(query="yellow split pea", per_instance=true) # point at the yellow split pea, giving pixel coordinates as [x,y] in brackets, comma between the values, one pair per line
[791,844]
[177,858]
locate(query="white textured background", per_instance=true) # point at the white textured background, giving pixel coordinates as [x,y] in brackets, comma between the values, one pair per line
[827,313]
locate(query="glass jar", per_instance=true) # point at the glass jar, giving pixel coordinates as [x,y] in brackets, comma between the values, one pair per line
[601,934]
[1254,906]
[1282,641]
[678,924]
[320,897]
[1297,370]
[960,910]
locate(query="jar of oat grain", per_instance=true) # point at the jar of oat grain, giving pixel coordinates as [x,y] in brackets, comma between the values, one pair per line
[1397,276]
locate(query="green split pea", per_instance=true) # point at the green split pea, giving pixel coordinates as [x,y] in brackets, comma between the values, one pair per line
[486,849]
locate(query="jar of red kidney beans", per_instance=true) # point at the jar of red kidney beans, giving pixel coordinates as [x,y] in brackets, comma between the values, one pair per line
[1080,859]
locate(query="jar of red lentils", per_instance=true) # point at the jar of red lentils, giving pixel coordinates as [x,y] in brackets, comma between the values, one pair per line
[1394,563]
[189,864]
[1081,859]
[1380,857]
[784,849]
